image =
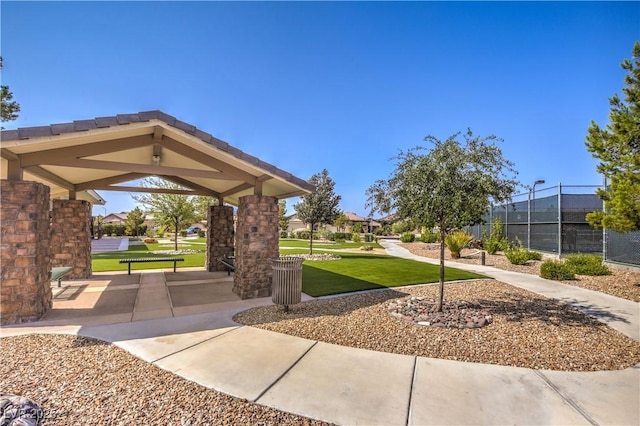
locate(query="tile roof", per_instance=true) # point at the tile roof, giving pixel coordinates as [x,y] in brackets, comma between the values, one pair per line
[145,116]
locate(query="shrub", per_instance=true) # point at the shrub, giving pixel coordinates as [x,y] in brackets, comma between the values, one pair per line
[366,247]
[428,237]
[202,234]
[496,241]
[340,240]
[303,235]
[324,234]
[183,233]
[534,255]
[342,236]
[554,270]
[150,241]
[407,237]
[456,241]
[356,238]
[517,255]
[284,234]
[587,264]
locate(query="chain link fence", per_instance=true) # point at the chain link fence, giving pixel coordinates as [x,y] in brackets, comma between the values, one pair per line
[553,220]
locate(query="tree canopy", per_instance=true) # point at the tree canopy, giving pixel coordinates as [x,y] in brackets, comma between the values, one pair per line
[618,148]
[175,211]
[9,108]
[319,207]
[283,220]
[134,221]
[449,186]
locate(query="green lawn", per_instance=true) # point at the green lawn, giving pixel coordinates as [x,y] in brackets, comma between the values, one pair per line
[288,244]
[108,261]
[357,271]
[353,272]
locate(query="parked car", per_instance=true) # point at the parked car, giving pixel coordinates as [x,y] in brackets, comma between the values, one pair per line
[193,229]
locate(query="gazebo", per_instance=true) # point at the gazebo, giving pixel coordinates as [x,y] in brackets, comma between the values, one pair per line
[50,175]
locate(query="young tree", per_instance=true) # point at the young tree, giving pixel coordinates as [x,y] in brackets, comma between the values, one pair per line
[618,149]
[9,108]
[341,222]
[173,210]
[448,187]
[283,220]
[135,219]
[201,204]
[321,206]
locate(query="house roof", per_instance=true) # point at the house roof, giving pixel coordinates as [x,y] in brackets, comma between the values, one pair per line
[355,217]
[105,152]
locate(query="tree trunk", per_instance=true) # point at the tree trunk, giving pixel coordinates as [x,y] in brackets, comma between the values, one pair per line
[175,242]
[441,287]
[311,240]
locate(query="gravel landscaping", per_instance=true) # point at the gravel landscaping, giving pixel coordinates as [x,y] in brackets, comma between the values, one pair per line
[527,330]
[621,283]
[81,381]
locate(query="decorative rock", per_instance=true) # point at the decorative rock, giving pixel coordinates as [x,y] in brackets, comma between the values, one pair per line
[455,314]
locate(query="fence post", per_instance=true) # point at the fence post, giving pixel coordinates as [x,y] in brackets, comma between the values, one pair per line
[506,221]
[559,219]
[529,220]
[604,230]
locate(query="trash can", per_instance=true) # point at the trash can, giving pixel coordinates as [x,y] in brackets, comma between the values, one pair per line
[287,280]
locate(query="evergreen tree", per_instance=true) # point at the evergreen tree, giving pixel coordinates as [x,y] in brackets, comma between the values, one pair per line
[618,149]
[9,108]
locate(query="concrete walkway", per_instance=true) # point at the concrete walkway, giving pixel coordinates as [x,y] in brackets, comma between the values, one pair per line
[355,386]
[109,244]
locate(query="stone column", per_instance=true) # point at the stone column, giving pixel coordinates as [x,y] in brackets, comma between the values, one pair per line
[24,251]
[219,236]
[256,245]
[71,236]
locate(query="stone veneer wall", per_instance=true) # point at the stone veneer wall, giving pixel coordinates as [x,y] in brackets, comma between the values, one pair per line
[25,290]
[219,236]
[256,245]
[71,236]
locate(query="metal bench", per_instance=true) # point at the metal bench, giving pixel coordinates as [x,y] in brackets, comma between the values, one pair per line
[175,260]
[58,272]
[229,263]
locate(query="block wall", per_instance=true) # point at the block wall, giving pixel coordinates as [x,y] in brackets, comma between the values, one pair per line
[220,235]
[25,290]
[256,245]
[71,236]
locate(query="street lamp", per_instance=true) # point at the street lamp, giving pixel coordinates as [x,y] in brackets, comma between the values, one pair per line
[533,189]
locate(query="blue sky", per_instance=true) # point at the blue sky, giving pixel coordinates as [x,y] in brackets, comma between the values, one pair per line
[334,85]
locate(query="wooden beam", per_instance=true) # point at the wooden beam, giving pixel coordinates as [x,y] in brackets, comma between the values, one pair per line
[147,169]
[257,189]
[109,181]
[236,189]
[8,155]
[157,133]
[207,160]
[50,177]
[14,170]
[51,156]
[151,190]
[192,185]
